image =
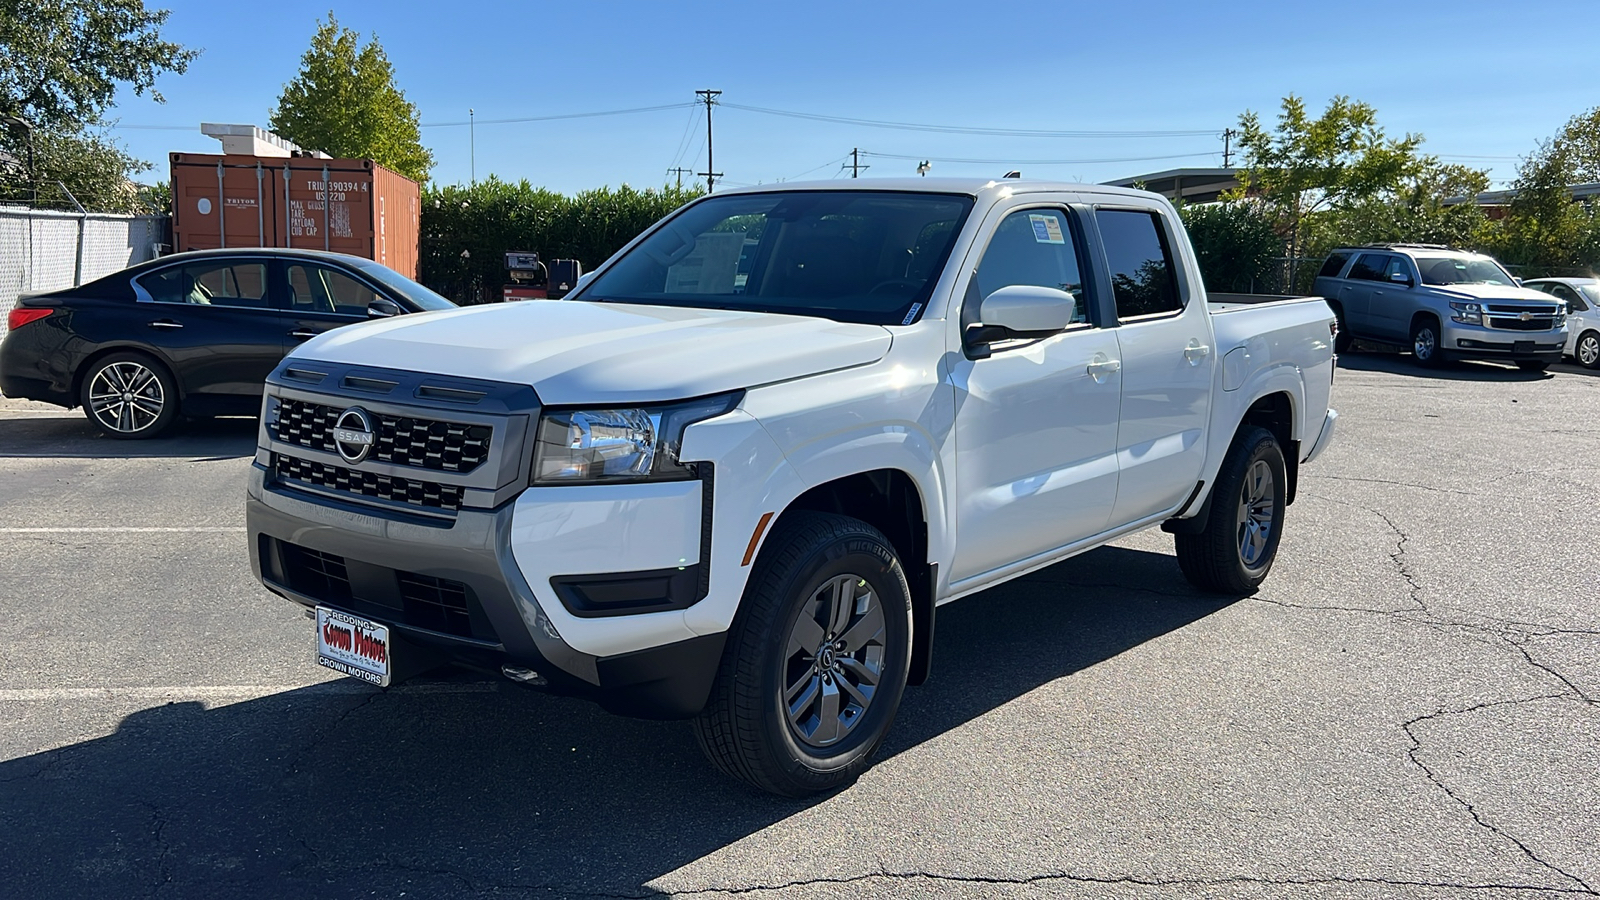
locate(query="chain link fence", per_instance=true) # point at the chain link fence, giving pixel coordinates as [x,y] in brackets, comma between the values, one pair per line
[41,250]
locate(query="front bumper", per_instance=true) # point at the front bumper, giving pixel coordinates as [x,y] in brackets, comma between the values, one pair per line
[384,563]
[1476,342]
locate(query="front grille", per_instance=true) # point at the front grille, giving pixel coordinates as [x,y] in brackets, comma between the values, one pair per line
[402,440]
[423,494]
[317,574]
[436,604]
[1508,317]
[1535,324]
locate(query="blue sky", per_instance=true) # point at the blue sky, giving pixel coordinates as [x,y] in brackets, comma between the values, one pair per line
[1482,81]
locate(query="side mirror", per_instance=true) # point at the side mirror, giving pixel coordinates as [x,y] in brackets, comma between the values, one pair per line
[382,308]
[583,279]
[1400,278]
[1019,312]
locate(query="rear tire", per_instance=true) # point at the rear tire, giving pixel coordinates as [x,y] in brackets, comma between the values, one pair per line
[1235,551]
[1532,365]
[129,396]
[1425,344]
[816,662]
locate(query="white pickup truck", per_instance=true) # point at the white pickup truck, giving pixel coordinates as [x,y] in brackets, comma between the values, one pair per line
[733,475]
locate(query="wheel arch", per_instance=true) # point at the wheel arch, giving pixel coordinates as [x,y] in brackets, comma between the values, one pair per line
[82,369]
[891,500]
[1275,408]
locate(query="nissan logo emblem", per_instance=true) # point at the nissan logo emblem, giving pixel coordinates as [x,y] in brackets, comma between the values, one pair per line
[352,434]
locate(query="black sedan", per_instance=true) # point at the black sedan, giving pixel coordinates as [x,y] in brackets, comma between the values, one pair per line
[192,334]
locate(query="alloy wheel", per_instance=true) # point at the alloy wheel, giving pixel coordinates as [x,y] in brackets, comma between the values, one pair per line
[1589,350]
[1255,514]
[833,660]
[126,397]
[1423,345]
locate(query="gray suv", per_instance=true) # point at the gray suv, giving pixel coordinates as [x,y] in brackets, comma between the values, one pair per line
[1443,303]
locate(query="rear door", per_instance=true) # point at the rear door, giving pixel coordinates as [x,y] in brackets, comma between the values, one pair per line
[1164,331]
[321,297]
[215,321]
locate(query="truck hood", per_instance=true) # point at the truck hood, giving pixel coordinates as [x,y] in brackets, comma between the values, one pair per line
[573,351]
[1492,292]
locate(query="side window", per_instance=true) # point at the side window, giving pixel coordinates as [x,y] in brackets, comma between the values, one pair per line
[1335,262]
[1562,292]
[1143,277]
[1397,266]
[220,283]
[1369,266]
[1031,246]
[314,288]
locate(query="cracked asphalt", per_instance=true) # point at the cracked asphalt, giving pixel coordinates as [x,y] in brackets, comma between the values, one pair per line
[1407,709]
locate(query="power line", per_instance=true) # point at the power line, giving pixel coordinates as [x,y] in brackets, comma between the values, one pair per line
[688,131]
[823,166]
[583,115]
[964,129]
[1038,162]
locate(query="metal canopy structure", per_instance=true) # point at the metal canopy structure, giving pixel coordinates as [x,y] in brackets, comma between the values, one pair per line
[1189,185]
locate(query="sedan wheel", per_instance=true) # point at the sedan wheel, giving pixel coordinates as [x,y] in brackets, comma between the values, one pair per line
[129,396]
[1588,350]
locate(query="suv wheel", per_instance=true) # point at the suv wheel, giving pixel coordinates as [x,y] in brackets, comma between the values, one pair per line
[1425,343]
[1235,551]
[129,396]
[816,662]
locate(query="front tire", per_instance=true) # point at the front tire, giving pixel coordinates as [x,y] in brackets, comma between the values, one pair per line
[816,662]
[1587,351]
[1235,551]
[1425,346]
[129,396]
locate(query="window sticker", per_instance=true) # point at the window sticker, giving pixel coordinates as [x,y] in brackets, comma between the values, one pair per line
[1046,229]
[915,307]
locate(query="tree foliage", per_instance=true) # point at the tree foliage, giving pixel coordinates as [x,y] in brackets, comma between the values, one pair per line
[1236,244]
[344,102]
[62,60]
[466,230]
[1545,229]
[82,164]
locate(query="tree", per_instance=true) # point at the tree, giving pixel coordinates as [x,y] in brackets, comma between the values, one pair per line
[92,168]
[1545,228]
[62,60]
[1305,165]
[1433,204]
[344,102]
[1236,244]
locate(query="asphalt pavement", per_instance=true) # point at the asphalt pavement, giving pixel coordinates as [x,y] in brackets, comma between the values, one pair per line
[1407,709]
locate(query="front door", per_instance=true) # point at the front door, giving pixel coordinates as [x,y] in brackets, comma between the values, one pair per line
[1164,330]
[1394,302]
[321,298]
[1036,422]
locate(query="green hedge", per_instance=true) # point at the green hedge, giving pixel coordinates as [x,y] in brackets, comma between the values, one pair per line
[466,231]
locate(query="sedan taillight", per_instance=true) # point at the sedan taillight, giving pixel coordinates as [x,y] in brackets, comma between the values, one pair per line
[21,316]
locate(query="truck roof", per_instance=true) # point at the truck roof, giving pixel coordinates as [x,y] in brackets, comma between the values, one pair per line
[972,187]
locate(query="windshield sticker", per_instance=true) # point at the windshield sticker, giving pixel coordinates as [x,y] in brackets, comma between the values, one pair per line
[912,314]
[1046,229]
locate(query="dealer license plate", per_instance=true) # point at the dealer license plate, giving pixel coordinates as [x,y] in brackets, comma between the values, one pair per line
[1522,346]
[353,646]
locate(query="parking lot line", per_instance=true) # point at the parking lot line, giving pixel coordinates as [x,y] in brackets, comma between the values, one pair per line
[201,692]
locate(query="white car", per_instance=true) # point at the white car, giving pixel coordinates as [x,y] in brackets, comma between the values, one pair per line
[1583,315]
[689,494]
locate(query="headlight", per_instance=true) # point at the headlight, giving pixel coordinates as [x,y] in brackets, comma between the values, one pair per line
[1467,313]
[639,443]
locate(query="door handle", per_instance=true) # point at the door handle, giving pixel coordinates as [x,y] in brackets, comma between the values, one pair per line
[165,323]
[302,334]
[1101,366]
[1195,352]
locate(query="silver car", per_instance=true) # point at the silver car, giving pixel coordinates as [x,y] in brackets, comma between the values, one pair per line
[1442,303]
[1582,296]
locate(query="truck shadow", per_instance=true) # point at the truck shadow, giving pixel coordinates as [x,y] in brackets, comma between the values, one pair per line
[337,790]
[68,437]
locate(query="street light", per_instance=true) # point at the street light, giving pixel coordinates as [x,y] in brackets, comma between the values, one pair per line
[33,176]
[923,167]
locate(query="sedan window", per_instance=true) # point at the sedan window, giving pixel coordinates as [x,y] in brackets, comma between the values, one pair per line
[314,288]
[213,283]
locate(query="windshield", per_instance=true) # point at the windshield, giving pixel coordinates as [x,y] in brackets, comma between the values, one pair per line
[1591,292]
[852,256]
[423,298]
[1462,270]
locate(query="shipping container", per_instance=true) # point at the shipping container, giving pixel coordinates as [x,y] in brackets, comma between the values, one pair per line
[350,206]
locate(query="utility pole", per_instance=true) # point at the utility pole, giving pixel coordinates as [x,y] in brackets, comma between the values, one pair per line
[472,138]
[1227,147]
[678,171]
[855,163]
[711,172]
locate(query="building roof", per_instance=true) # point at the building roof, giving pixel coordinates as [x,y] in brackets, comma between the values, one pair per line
[1587,191]
[1189,185]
